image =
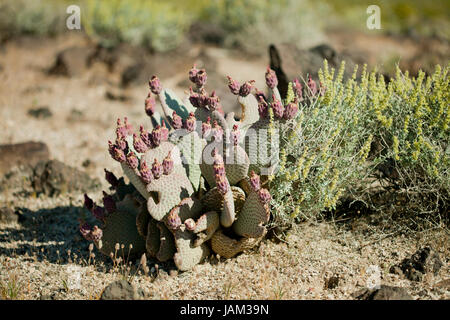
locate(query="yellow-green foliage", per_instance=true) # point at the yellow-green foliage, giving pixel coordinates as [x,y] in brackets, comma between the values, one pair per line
[328,152]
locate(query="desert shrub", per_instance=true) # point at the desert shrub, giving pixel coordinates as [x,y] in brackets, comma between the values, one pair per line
[362,138]
[253,25]
[155,24]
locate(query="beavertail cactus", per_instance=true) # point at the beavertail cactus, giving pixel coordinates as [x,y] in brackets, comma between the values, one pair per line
[191,190]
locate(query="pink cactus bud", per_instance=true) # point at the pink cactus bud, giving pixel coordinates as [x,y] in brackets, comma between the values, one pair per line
[222,184]
[218,163]
[263,108]
[168,164]
[155,85]
[213,101]
[145,137]
[298,89]
[145,172]
[121,131]
[246,88]
[85,230]
[173,219]
[259,94]
[164,132]
[96,234]
[233,85]
[189,125]
[122,144]
[128,127]
[217,132]
[88,202]
[312,86]
[271,78]
[157,169]
[264,195]
[177,122]
[138,144]
[116,153]
[277,108]
[255,181]
[206,127]
[156,136]
[194,98]
[99,213]
[193,73]
[109,203]
[132,160]
[190,224]
[150,105]
[111,178]
[291,110]
[235,135]
[200,78]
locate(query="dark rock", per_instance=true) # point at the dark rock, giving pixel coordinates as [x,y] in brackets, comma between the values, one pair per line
[72,62]
[121,290]
[289,62]
[383,293]
[424,260]
[54,177]
[27,153]
[332,282]
[7,215]
[40,113]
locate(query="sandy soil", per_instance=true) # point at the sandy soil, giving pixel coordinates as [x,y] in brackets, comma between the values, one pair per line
[34,258]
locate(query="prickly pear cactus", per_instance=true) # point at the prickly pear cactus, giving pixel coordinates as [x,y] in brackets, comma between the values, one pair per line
[194,184]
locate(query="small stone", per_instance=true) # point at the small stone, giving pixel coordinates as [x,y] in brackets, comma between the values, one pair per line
[383,293]
[121,290]
[332,282]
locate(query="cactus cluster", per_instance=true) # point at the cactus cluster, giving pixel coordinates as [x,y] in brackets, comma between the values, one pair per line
[193,187]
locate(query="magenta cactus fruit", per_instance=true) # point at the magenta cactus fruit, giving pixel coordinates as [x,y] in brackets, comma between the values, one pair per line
[91,234]
[116,153]
[263,107]
[138,144]
[200,78]
[177,122]
[156,136]
[312,86]
[164,132]
[222,183]
[298,89]
[145,136]
[190,122]
[155,85]
[260,95]
[167,164]
[132,160]
[271,78]
[111,178]
[145,172]
[233,85]
[213,100]
[173,219]
[206,127]
[291,110]
[246,88]
[193,73]
[255,181]
[109,203]
[150,105]
[157,169]
[277,108]
[264,196]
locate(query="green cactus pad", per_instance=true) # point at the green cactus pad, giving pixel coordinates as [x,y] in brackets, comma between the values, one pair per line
[236,164]
[191,147]
[142,219]
[228,215]
[135,180]
[202,114]
[252,218]
[189,208]
[250,113]
[213,200]
[166,192]
[205,227]
[166,243]
[227,247]
[152,243]
[120,227]
[187,255]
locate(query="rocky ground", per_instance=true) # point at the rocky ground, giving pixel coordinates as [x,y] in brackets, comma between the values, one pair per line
[70,102]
